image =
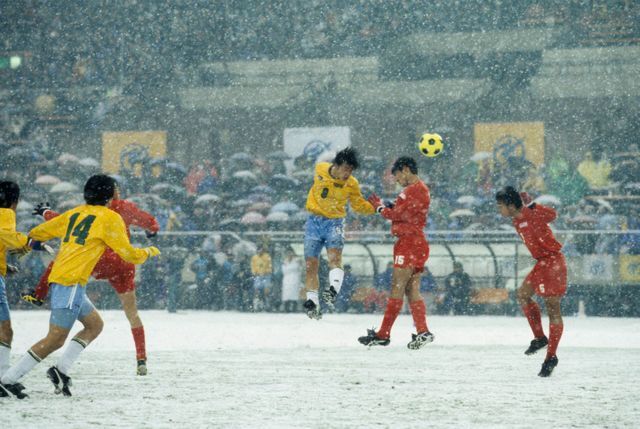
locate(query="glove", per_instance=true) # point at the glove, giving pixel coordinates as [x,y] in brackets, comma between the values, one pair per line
[152,251]
[526,199]
[12,269]
[376,202]
[389,204]
[39,246]
[151,234]
[40,209]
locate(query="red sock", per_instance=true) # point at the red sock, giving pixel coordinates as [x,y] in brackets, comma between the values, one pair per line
[138,338]
[394,305]
[555,332]
[532,313]
[42,289]
[419,313]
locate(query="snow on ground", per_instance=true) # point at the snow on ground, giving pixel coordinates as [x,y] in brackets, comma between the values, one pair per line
[238,370]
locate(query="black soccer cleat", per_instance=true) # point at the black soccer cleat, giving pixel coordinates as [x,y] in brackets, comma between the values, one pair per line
[142,367]
[420,340]
[547,366]
[372,339]
[329,296]
[536,344]
[30,297]
[313,310]
[16,389]
[60,381]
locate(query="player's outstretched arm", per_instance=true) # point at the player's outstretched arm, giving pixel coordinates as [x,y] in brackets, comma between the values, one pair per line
[118,240]
[359,203]
[135,216]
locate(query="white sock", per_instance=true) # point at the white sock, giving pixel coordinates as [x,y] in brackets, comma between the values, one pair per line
[70,355]
[5,352]
[23,366]
[313,296]
[335,278]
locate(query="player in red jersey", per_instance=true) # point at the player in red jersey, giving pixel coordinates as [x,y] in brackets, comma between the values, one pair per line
[547,279]
[111,267]
[408,219]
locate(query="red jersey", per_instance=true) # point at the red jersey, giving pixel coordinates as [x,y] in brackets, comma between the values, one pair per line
[409,215]
[533,227]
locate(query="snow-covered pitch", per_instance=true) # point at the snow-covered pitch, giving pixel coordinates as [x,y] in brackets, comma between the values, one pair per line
[209,369]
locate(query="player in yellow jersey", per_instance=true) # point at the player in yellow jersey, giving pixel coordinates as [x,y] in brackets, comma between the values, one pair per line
[85,232]
[10,240]
[333,187]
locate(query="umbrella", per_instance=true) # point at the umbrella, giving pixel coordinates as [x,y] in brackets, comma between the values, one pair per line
[67,157]
[244,175]
[89,162]
[583,218]
[480,156]
[47,179]
[302,215]
[174,166]
[262,189]
[241,156]
[63,187]
[206,199]
[259,206]
[159,187]
[277,217]
[240,203]
[68,204]
[285,206]
[548,199]
[252,218]
[468,200]
[279,155]
[283,181]
[462,213]
[228,224]
[24,205]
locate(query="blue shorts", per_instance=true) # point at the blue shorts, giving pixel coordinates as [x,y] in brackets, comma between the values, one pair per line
[262,282]
[320,231]
[4,302]
[68,304]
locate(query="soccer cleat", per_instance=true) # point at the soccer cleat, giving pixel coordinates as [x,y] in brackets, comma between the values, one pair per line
[60,381]
[15,389]
[420,340]
[329,296]
[547,366]
[313,311]
[142,367]
[30,297]
[536,344]
[372,339]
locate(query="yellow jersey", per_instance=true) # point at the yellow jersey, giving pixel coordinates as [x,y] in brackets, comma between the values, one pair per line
[328,197]
[9,238]
[85,232]
[261,264]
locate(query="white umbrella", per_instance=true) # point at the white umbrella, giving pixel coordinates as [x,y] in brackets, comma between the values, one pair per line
[159,187]
[277,217]
[462,213]
[68,204]
[67,157]
[47,179]
[89,162]
[548,199]
[207,198]
[480,156]
[468,200]
[252,217]
[244,174]
[62,187]
[24,205]
[285,206]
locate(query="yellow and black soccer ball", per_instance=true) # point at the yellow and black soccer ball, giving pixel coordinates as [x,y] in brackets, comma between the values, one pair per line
[430,145]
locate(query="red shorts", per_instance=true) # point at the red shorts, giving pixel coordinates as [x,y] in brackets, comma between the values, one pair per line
[549,276]
[118,273]
[411,251]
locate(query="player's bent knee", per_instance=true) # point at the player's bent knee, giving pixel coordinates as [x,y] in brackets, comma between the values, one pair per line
[6,333]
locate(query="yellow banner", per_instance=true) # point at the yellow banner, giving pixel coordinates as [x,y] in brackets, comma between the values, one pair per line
[630,268]
[127,150]
[511,139]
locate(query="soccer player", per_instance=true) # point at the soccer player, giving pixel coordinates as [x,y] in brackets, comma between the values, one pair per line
[408,218]
[547,279]
[114,269]
[333,186]
[10,241]
[85,232]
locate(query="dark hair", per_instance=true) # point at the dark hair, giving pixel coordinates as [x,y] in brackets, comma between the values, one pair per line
[99,189]
[402,162]
[509,196]
[9,194]
[347,156]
